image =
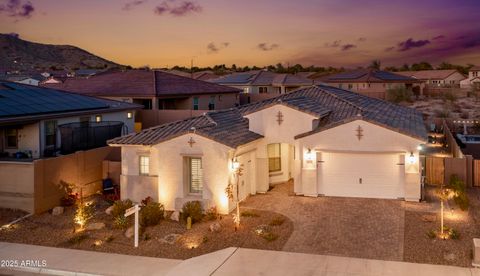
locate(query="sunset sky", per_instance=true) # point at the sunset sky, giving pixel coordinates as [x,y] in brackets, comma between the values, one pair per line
[162,33]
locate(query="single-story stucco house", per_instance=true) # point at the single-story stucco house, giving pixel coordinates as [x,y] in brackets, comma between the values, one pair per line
[330,141]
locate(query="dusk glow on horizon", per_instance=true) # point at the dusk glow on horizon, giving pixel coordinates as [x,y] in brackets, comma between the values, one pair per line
[164,33]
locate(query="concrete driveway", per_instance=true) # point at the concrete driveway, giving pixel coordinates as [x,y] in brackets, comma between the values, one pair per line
[353,227]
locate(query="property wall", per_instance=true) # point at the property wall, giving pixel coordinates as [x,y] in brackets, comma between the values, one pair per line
[33,186]
[375,139]
[376,90]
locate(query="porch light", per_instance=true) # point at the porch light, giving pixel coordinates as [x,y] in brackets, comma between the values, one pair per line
[129,115]
[235,164]
[309,155]
[411,158]
[419,147]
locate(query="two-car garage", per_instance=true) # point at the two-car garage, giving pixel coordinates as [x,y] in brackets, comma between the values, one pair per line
[360,174]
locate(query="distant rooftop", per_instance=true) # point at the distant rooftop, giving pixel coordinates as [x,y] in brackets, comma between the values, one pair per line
[20,102]
[367,75]
[138,83]
[263,78]
[428,74]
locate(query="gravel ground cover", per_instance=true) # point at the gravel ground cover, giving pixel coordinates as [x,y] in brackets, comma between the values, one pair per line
[57,231]
[9,215]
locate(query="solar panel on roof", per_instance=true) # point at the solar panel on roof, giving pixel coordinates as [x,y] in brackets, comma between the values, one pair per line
[348,75]
[389,76]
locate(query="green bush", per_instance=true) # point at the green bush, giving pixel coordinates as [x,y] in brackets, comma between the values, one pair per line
[109,238]
[460,197]
[151,214]
[78,239]
[119,207]
[211,213]
[194,210]
[269,236]
[277,221]
[431,234]
[399,94]
[249,214]
[121,222]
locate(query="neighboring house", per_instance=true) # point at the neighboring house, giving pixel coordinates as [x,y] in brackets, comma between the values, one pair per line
[332,142]
[166,97]
[436,78]
[52,79]
[38,122]
[25,79]
[473,80]
[369,82]
[85,73]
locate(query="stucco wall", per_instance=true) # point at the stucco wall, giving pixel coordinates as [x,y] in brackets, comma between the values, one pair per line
[28,140]
[16,186]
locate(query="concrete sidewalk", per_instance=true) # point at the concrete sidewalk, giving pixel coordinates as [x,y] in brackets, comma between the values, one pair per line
[60,261]
[229,261]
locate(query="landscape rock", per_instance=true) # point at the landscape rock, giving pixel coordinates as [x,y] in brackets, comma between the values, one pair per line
[262,229]
[170,238]
[109,210]
[95,226]
[129,232]
[57,211]
[175,216]
[215,227]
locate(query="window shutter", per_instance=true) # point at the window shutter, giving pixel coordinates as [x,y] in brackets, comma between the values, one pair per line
[196,175]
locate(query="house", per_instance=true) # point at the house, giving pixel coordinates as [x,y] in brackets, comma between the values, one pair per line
[330,141]
[166,97]
[85,73]
[473,80]
[26,79]
[260,85]
[436,78]
[38,122]
[369,82]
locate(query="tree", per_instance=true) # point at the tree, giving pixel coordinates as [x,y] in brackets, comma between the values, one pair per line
[455,189]
[421,66]
[399,94]
[232,191]
[375,64]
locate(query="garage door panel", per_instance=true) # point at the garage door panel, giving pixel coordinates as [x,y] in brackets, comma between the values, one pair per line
[360,175]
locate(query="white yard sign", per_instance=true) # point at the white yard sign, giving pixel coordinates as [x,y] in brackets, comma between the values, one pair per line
[130,211]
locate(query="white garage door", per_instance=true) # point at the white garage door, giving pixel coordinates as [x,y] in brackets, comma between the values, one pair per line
[361,175]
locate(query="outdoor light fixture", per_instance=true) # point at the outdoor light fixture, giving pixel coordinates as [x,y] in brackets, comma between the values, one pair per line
[98,118]
[129,115]
[411,158]
[235,163]
[309,155]
[419,147]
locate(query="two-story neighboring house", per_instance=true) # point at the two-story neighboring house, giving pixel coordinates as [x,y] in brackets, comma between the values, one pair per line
[259,85]
[166,97]
[436,78]
[38,122]
[369,82]
[473,80]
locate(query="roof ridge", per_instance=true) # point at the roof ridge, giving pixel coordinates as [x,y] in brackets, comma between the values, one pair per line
[340,98]
[256,77]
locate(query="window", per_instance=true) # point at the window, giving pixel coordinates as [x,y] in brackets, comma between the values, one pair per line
[263,90]
[11,138]
[195,103]
[219,98]
[340,86]
[245,90]
[211,104]
[195,175]
[144,164]
[50,133]
[274,158]
[350,86]
[98,118]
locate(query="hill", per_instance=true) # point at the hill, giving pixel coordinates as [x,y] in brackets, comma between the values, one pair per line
[22,55]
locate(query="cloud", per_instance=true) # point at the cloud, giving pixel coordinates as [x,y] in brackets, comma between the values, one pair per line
[410,44]
[266,47]
[362,39]
[212,48]
[132,4]
[17,8]
[333,44]
[438,37]
[177,9]
[347,47]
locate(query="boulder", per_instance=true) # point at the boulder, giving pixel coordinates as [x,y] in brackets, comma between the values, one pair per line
[175,216]
[170,238]
[95,226]
[109,210]
[215,227]
[129,232]
[57,211]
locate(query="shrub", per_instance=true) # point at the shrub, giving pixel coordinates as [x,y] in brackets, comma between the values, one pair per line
[151,214]
[449,96]
[109,238]
[121,222]
[460,197]
[277,221]
[119,207]
[454,235]
[249,214]
[77,239]
[147,200]
[211,213]
[431,234]
[147,237]
[83,213]
[194,210]
[399,94]
[269,236]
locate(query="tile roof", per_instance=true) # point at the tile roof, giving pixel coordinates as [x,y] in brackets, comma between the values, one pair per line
[475,68]
[367,75]
[428,74]
[140,83]
[334,106]
[19,101]
[263,78]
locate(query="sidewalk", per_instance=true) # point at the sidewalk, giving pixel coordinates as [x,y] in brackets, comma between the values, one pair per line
[229,261]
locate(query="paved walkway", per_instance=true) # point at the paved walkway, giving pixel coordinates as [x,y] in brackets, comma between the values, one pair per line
[352,227]
[229,261]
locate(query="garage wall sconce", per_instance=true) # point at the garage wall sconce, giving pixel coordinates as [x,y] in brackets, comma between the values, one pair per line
[411,158]
[309,155]
[235,164]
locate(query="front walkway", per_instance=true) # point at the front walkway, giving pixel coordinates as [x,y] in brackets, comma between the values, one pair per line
[230,261]
[352,227]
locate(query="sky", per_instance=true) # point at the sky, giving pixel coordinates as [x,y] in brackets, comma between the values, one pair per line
[164,33]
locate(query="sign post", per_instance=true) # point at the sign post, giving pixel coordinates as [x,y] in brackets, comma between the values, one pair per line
[130,211]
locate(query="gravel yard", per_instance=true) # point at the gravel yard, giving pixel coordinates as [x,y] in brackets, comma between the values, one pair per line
[57,231]
[9,215]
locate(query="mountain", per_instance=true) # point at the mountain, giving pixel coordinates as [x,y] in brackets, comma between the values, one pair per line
[22,55]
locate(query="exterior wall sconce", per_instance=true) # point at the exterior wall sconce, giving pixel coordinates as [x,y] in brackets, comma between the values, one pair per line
[419,147]
[129,115]
[235,164]
[411,158]
[309,155]
[98,118]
